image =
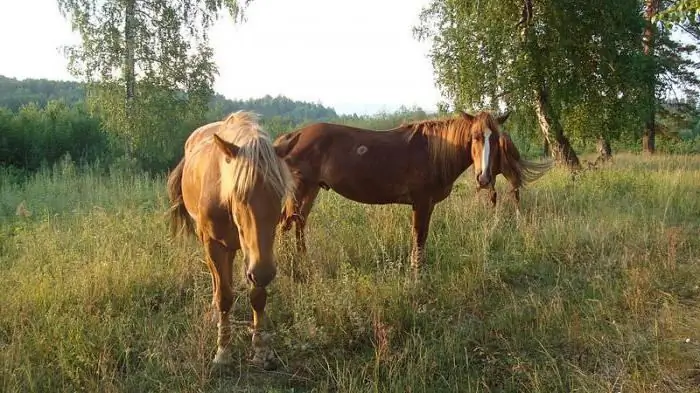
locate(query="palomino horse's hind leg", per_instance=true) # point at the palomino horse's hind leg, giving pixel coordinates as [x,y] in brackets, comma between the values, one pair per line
[220,261]
[263,355]
[421,223]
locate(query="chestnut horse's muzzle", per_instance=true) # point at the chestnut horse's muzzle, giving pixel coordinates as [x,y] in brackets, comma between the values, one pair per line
[483,179]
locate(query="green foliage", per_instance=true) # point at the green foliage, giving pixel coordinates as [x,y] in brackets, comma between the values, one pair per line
[592,73]
[595,290]
[33,137]
[143,58]
[170,44]
[680,11]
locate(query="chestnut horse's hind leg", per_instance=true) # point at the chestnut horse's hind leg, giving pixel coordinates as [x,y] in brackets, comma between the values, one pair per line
[422,212]
[306,199]
[220,261]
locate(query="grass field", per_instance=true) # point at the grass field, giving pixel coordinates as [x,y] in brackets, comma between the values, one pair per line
[596,289]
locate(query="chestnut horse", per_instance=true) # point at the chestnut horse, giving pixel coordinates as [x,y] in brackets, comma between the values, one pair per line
[229,190]
[414,164]
[517,172]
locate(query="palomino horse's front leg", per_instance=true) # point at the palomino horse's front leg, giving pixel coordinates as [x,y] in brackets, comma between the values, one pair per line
[421,223]
[263,356]
[220,261]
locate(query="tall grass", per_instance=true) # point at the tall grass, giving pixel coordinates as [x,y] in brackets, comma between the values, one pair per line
[594,289]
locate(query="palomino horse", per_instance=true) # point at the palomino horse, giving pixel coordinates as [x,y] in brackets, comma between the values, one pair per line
[415,164]
[229,190]
[517,172]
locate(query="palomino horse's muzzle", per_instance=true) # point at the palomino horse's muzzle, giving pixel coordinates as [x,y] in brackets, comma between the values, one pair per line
[261,277]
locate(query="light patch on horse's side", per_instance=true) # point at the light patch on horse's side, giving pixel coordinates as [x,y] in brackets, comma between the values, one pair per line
[362,149]
[486,152]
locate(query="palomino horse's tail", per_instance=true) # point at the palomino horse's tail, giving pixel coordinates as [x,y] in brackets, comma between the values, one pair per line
[524,171]
[179,217]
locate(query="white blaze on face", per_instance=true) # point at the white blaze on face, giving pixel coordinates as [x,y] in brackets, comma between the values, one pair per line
[487,151]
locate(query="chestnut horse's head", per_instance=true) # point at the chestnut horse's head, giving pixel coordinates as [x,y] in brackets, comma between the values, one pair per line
[485,131]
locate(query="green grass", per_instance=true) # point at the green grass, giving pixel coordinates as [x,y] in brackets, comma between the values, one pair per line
[595,290]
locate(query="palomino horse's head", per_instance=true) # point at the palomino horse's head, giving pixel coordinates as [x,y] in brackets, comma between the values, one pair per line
[485,131]
[255,183]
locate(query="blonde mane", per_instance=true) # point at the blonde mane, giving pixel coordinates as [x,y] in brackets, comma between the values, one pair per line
[256,159]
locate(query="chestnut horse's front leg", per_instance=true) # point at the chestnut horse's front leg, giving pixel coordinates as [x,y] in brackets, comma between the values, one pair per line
[492,194]
[515,192]
[263,355]
[422,212]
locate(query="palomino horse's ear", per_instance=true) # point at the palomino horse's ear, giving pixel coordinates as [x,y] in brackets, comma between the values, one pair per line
[228,148]
[502,118]
[465,115]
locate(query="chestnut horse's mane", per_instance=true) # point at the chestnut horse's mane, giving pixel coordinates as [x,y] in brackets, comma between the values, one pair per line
[449,139]
[256,157]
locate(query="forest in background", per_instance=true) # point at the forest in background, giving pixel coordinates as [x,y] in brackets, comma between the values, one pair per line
[43,121]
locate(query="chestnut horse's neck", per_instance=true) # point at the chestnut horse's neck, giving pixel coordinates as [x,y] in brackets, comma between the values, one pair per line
[449,146]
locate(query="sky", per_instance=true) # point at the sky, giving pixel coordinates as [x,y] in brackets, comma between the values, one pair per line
[355,56]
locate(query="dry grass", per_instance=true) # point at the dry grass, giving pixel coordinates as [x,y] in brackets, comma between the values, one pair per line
[595,290]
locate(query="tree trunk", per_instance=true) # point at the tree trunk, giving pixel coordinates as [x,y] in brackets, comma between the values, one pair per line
[545,149]
[553,132]
[651,7]
[603,148]
[129,71]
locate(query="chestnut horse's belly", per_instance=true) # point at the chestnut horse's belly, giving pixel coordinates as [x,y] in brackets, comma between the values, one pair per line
[364,193]
[370,184]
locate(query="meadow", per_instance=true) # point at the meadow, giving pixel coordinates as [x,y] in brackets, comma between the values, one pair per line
[596,288]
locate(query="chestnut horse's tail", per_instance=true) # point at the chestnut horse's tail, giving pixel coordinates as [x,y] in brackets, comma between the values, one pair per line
[288,214]
[522,171]
[180,220]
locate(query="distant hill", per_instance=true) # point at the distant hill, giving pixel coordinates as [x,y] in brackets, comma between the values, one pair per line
[269,107]
[16,93]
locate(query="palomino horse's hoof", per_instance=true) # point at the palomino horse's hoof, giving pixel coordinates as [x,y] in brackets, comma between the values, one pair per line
[223,357]
[267,362]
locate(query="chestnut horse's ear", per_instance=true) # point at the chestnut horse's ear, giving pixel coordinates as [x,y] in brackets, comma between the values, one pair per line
[228,148]
[502,118]
[285,143]
[465,115]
